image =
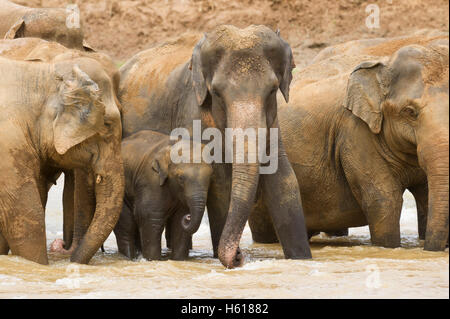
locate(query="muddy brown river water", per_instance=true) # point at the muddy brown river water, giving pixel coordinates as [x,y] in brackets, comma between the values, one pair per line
[346,267]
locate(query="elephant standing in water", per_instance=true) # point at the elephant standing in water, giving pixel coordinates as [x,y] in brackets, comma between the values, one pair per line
[156,189]
[56,116]
[228,80]
[79,187]
[52,24]
[359,130]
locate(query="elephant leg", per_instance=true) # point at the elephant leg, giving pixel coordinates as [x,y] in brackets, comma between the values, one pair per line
[377,191]
[150,231]
[281,196]
[218,203]
[24,227]
[68,208]
[4,247]
[126,231]
[261,224]
[383,215]
[84,204]
[181,241]
[420,194]
[168,232]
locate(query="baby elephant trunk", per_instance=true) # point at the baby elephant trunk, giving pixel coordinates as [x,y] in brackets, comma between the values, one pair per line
[196,203]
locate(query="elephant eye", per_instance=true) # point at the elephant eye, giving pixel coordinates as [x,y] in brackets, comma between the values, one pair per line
[217,93]
[410,112]
[219,98]
[273,90]
[108,124]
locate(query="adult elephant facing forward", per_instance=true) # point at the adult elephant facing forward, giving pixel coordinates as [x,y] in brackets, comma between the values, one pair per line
[229,80]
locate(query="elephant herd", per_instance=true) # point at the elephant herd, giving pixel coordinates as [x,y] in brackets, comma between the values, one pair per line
[363,122]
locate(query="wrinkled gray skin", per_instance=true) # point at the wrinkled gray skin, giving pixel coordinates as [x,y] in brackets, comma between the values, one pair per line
[157,189]
[17,21]
[229,79]
[357,139]
[56,116]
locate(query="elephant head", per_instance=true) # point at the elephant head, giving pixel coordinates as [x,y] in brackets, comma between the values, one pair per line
[86,134]
[404,100]
[51,25]
[188,180]
[236,74]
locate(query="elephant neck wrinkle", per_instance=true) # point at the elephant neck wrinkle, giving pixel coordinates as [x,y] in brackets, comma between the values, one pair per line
[402,163]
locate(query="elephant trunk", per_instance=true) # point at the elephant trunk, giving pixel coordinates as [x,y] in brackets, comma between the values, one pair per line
[245,178]
[435,161]
[192,221]
[109,191]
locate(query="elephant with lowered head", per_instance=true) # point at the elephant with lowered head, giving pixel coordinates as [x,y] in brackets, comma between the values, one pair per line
[78,198]
[229,78]
[56,116]
[359,138]
[52,24]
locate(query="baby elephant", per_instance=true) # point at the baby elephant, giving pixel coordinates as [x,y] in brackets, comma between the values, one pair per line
[157,189]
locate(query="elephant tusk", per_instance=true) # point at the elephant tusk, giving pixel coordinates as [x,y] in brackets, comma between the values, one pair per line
[98,180]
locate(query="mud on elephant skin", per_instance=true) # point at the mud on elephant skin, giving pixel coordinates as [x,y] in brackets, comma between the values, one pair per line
[56,116]
[157,189]
[79,186]
[227,79]
[359,138]
[52,24]
[39,50]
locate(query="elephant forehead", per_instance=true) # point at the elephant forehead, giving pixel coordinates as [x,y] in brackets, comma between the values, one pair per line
[433,62]
[232,38]
[240,65]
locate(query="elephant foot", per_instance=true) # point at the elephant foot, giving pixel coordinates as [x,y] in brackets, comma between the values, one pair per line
[57,246]
[388,241]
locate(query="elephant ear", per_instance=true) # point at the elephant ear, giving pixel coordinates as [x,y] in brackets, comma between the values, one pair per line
[289,65]
[198,80]
[365,94]
[16,31]
[161,164]
[81,113]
